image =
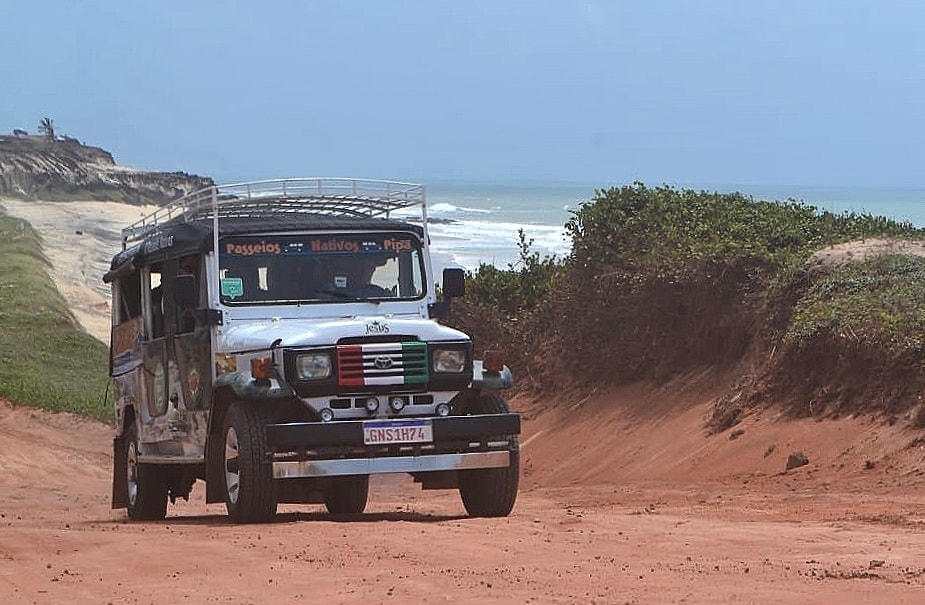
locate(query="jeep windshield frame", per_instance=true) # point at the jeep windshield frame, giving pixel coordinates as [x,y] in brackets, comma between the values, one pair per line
[321,268]
[195,224]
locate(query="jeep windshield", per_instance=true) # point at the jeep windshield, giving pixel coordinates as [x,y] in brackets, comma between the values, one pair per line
[320,267]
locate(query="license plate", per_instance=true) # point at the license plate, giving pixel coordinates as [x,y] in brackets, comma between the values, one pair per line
[380,432]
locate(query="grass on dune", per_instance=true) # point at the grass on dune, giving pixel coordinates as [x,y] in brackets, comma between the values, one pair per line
[46,360]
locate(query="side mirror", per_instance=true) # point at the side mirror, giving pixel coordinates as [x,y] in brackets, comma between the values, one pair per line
[185,293]
[454,282]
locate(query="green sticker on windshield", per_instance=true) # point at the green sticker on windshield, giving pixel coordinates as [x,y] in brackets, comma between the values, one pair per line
[232,287]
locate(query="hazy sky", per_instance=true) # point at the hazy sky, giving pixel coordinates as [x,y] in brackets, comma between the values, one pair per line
[789,92]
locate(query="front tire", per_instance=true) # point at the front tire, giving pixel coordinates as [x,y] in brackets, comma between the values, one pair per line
[250,492]
[491,492]
[347,495]
[146,484]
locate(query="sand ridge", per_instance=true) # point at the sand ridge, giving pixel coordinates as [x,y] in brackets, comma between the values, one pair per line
[80,239]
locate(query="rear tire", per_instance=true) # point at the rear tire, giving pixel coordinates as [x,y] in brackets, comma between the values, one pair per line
[146,483]
[491,492]
[347,495]
[250,491]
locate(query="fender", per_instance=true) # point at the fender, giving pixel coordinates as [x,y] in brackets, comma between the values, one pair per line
[233,385]
[245,387]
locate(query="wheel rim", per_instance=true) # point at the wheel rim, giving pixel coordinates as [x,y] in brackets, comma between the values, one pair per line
[132,473]
[232,476]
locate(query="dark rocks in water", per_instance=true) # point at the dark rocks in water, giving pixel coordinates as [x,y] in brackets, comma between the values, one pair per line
[32,167]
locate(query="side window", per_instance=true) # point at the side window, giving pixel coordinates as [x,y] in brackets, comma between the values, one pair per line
[128,324]
[128,303]
[155,290]
[188,279]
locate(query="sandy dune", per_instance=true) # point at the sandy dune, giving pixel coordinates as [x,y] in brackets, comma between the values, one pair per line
[80,239]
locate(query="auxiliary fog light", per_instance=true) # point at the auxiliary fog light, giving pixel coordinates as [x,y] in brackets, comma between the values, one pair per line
[371,404]
[327,415]
[397,403]
[443,409]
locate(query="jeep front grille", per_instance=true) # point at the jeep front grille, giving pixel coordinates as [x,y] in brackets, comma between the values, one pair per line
[383,363]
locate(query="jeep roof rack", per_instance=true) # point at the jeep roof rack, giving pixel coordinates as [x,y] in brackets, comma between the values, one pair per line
[284,197]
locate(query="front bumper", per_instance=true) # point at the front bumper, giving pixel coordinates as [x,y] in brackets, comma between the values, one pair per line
[312,449]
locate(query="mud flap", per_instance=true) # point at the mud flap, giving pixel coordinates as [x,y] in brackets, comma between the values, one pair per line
[437,480]
[119,473]
[215,468]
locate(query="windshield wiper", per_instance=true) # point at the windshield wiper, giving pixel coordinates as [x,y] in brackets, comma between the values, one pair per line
[334,293]
[345,295]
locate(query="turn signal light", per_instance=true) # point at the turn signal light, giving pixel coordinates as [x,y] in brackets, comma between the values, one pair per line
[494,361]
[262,368]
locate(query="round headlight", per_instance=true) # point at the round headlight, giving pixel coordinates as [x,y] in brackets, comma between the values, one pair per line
[451,361]
[313,366]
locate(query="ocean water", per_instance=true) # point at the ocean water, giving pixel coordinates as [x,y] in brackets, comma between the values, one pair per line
[477,222]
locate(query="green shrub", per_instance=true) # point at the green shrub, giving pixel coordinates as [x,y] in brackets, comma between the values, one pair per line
[663,279]
[879,302]
[522,287]
[638,226]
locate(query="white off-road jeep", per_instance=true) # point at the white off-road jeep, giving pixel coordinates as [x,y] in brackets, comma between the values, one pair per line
[280,340]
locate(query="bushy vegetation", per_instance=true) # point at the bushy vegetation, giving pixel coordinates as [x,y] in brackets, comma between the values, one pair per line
[663,280]
[879,302]
[509,309]
[520,288]
[639,226]
[45,360]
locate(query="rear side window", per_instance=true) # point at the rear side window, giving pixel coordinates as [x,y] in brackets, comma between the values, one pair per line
[129,297]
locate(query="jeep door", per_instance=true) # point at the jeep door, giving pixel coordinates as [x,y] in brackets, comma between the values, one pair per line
[176,359]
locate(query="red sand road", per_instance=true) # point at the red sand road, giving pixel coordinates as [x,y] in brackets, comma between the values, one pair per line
[624,500]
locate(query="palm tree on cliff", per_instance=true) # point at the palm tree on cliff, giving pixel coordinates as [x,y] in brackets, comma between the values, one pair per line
[47,128]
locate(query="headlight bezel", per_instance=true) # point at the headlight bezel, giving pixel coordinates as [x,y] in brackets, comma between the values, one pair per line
[450,360]
[316,359]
